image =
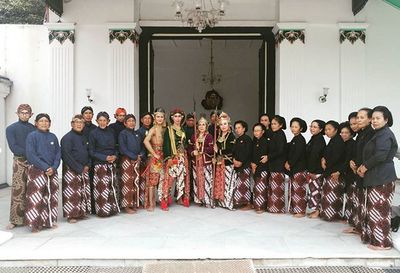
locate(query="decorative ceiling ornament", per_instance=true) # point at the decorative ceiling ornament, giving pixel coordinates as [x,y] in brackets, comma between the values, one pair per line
[290,35]
[204,13]
[352,35]
[61,36]
[123,34]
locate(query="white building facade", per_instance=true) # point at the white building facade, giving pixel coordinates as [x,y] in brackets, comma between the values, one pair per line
[95,50]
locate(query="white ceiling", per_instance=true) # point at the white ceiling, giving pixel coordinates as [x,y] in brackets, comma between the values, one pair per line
[236,10]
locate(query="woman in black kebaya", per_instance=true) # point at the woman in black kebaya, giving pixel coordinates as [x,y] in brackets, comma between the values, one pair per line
[379,176]
[276,162]
[296,167]
[333,184]
[259,167]
[314,151]
[349,176]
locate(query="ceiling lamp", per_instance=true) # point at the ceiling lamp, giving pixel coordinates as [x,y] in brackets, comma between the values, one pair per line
[202,14]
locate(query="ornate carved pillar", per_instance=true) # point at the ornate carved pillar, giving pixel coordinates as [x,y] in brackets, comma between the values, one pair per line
[290,60]
[61,76]
[124,65]
[352,38]
[5,89]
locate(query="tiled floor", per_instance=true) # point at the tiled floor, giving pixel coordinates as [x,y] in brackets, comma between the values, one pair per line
[186,233]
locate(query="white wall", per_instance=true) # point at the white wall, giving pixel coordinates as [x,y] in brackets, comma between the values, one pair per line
[92,69]
[178,71]
[23,59]
[383,60]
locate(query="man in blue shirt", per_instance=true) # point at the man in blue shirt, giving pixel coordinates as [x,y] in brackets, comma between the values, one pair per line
[16,135]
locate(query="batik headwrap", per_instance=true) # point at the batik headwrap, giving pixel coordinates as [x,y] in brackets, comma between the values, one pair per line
[120,111]
[24,107]
[177,111]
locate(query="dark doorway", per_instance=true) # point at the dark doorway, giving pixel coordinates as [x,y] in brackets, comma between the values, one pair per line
[266,58]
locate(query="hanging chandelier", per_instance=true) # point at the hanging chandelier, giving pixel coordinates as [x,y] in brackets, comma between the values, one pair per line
[203,13]
[211,79]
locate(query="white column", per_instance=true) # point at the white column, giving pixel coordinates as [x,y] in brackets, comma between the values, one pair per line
[124,65]
[290,61]
[5,89]
[61,78]
[352,67]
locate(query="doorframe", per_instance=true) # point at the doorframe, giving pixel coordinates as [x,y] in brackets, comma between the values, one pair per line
[149,34]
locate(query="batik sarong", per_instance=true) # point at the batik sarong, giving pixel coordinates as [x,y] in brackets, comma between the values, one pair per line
[178,172]
[376,222]
[351,203]
[18,191]
[219,181]
[242,195]
[276,193]
[75,193]
[105,190]
[153,176]
[314,182]
[298,193]
[203,192]
[130,186]
[142,183]
[41,199]
[229,175]
[332,199]
[260,191]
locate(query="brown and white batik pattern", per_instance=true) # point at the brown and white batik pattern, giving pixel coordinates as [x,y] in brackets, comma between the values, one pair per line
[142,183]
[180,173]
[260,191]
[360,209]
[298,193]
[229,188]
[276,193]
[75,193]
[242,195]
[130,186]
[351,203]
[314,182]
[105,190]
[332,199]
[376,223]
[41,199]
[18,191]
[208,199]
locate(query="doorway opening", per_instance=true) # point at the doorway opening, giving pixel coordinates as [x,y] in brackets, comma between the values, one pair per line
[174,62]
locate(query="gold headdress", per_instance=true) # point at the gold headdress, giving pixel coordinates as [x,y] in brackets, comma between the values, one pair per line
[202,119]
[224,116]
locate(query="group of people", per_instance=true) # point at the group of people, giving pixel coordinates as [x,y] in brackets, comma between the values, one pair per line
[113,167]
